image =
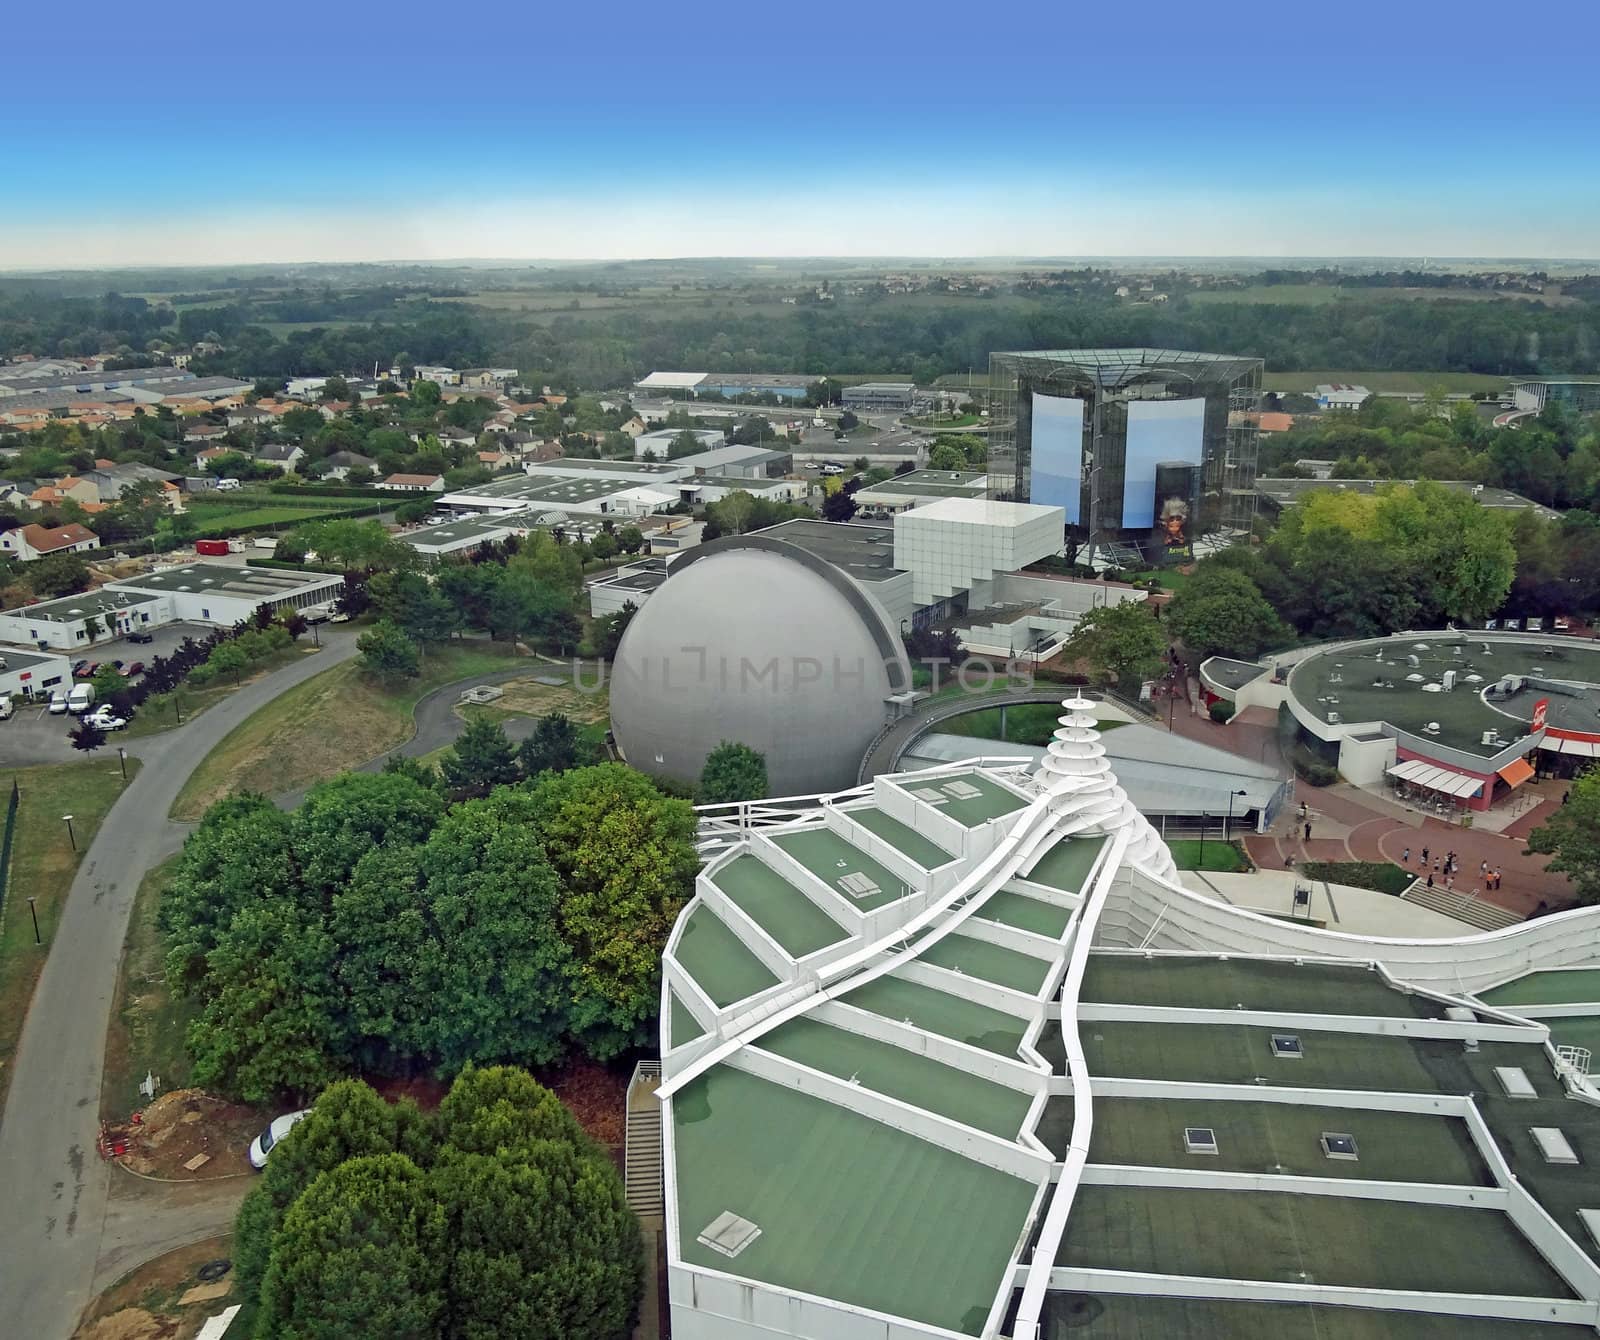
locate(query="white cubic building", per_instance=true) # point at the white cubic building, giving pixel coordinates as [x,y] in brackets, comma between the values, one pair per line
[960,543]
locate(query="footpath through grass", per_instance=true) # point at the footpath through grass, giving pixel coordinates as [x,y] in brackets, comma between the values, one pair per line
[1213,854]
[43,864]
[333,721]
[147,1025]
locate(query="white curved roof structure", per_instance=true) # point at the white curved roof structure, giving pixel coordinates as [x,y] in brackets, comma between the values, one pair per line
[954,1054]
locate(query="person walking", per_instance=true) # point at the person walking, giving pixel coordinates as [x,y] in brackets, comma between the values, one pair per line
[1308,832]
[1424,856]
[1430,879]
[1496,877]
[1483,869]
[1405,857]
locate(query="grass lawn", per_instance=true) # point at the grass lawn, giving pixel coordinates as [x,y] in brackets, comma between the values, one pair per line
[1171,579]
[334,721]
[159,712]
[1223,857]
[147,1024]
[1025,723]
[1378,875]
[274,509]
[43,864]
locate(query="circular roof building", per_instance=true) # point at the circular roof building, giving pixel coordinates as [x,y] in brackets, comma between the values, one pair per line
[755,640]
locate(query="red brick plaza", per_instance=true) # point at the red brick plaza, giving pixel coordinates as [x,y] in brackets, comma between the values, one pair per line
[1349,824]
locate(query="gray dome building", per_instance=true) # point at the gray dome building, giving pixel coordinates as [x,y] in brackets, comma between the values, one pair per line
[755,640]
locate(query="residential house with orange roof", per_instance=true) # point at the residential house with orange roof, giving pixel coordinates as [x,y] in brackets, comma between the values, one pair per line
[27,543]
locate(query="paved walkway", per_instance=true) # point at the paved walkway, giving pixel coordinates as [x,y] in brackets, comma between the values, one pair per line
[58,1215]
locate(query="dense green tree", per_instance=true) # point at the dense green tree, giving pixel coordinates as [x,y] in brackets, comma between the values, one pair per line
[360,1253]
[553,746]
[270,1024]
[388,653]
[626,859]
[344,818]
[87,736]
[1342,588]
[732,772]
[1119,641]
[348,1121]
[609,628]
[499,977]
[1572,836]
[481,759]
[425,393]
[1221,612]
[61,574]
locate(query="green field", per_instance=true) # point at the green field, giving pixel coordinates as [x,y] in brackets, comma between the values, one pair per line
[43,865]
[273,509]
[1213,854]
[1025,723]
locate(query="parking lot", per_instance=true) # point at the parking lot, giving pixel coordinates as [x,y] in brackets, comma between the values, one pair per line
[33,736]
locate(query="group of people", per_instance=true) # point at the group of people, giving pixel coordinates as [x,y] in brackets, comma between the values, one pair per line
[1447,867]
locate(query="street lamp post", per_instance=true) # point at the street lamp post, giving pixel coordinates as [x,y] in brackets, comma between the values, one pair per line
[71,836]
[1201,864]
[1227,832]
[122,758]
[35,911]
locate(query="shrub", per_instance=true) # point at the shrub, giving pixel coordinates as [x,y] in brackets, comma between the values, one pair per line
[1222,710]
[1378,875]
[1312,770]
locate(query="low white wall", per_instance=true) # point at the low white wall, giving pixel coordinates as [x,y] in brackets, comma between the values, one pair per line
[1373,1025]
[1457,1195]
[709,1305]
[935,1046]
[968,987]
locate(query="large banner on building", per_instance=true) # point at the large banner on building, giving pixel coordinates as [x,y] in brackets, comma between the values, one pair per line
[1057,461]
[1159,432]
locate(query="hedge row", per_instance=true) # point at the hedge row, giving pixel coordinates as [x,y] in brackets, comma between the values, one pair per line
[293,567]
[329,491]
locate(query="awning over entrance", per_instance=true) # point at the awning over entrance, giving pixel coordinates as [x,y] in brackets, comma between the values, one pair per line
[1516,772]
[1584,748]
[1434,778]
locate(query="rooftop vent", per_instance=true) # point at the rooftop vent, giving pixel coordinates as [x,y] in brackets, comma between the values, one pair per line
[1514,1080]
[1339,1145]
[1553,1145]
[1432,728]
[1287,1046]
[1199,1140]
[728,1234]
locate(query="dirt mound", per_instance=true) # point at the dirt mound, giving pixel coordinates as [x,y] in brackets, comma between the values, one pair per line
[191,1127]
[131,1323]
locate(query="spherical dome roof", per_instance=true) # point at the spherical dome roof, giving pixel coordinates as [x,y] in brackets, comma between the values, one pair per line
[757,641]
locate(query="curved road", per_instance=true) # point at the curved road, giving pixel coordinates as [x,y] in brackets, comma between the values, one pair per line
[55,1188]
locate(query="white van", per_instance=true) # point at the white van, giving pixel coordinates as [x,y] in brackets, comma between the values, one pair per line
[7,707]
[227,485]
[79,700]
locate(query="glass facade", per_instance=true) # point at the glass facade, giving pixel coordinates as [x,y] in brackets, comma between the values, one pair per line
[1117,386]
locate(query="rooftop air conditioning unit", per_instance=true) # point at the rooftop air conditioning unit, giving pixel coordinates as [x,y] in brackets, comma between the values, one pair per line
[1333,718]
[1486,738]
[1432,728]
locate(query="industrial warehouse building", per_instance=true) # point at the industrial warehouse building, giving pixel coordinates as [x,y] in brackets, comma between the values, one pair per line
[956,1054]
[211,593]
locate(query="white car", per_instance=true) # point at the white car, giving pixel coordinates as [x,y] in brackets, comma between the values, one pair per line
[340,617]
[262,1145]
[107,720]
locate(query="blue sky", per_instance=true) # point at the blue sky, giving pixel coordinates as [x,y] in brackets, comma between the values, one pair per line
[187,133]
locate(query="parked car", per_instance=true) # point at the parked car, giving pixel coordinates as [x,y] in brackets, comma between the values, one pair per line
[136,668]
[106,719]
[339,617]
[79,668]
[58,703]
[144,638]
[262,1145]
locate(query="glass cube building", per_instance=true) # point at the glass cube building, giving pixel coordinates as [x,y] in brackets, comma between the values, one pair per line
[1146,449]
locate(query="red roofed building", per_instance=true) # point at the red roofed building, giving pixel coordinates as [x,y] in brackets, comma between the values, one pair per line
[27,543]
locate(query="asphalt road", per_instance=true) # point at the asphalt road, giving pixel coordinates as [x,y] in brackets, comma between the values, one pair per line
[54,1187]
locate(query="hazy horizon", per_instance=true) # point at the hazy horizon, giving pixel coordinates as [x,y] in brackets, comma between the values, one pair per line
[1252,131]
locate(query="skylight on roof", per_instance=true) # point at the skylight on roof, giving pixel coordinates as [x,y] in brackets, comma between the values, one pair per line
[1199,1140]
[728,1234]
[1339,1145]
[1287,1046]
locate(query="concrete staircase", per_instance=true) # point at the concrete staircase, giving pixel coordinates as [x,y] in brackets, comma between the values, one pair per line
[1462,906]
[642,1161]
